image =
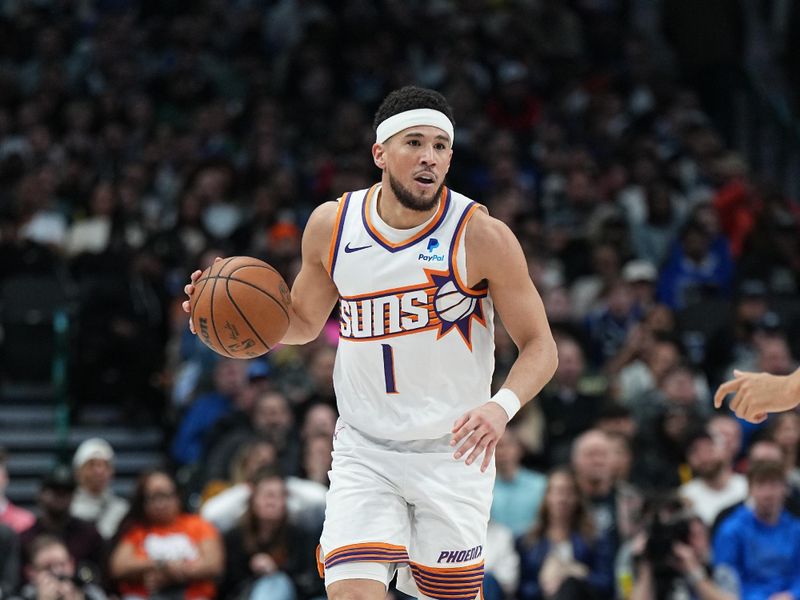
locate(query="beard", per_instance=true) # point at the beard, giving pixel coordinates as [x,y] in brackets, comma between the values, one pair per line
[711,471]
[408,200]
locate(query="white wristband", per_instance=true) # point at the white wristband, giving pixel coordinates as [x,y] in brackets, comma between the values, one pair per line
[508,400]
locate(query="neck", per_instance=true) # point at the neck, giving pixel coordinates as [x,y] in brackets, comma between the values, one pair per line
[595,487]
[396,215]
[507,472]
[558,532]
[719,480]
[768,517]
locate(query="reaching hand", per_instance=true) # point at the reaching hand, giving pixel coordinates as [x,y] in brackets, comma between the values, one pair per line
[482,427]
[757,394]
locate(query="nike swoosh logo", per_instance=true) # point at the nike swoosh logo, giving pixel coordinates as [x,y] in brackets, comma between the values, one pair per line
[348,249]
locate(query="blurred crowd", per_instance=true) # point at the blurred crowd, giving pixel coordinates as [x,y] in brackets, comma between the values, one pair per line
[140,139]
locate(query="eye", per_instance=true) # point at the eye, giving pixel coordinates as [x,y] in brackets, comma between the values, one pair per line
[413,142]
[440,146]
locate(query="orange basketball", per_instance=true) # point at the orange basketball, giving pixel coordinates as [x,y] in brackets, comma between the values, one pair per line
[240,306]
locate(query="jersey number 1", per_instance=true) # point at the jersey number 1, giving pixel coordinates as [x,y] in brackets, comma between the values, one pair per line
[388,368]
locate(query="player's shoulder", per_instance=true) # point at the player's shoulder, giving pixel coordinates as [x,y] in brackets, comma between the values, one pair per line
[486,233]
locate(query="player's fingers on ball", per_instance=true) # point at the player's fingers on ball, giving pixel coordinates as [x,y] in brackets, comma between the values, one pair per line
[185,306]
[217,258]
[191,326]
[196,275]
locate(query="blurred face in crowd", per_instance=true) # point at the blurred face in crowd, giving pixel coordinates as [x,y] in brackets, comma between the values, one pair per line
[561,497]
[415,162]
[765,450]
[508,454]
[271,412]
[621,457]
[705,458]
[620,300]
[592,459]
[661,357]
[260,455]
[269,500]
[787,430]
[161,501]
[768,496]
[94,475]
[230,376]
[53,559]
[678,387]
[319,420]
[55,501]
[727,433]
[321,369]
[570,363]
[774,356]
[317,457]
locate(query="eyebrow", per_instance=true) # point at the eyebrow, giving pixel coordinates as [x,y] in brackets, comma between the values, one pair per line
[416,134]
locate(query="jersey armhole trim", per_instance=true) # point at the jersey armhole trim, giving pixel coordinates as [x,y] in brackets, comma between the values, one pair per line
[462,286]
[336,234]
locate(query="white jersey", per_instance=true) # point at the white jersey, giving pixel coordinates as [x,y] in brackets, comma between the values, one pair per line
[416,344]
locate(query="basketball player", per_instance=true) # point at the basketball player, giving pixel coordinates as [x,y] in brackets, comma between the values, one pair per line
[758,394]
[418,271]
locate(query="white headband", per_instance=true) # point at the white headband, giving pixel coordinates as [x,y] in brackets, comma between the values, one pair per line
[412,118]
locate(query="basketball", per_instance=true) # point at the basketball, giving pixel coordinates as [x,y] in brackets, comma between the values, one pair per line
[239,307]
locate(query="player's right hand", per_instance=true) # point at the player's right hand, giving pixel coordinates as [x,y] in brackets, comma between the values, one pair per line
[756,395]
[188,289]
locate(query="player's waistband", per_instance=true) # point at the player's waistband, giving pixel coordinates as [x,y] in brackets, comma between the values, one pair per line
[350,436]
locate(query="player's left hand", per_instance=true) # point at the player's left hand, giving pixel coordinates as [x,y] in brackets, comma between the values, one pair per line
[482,427]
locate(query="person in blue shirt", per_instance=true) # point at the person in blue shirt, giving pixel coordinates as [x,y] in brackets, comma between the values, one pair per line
[230,378]
[760,542]
[518,491]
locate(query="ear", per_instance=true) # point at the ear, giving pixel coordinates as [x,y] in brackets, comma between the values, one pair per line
[379,155]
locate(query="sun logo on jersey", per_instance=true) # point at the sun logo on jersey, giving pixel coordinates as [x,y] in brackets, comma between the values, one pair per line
[437,304]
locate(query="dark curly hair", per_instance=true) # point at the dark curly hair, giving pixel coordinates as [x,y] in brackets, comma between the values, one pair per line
[409,98]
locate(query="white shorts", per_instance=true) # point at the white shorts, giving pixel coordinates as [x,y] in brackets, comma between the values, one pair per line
[408,507]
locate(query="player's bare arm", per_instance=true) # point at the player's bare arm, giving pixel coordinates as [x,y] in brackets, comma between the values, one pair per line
[758,394]
[313,292]
[495,256]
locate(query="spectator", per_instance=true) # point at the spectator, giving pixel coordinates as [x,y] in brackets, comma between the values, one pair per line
[271,418]
[266,555]
[16,517]
[94,499]
[760,543]
[306,498]
[84,543]
[693,271]
[317,458]
[763,450]
[9,561]
[568,410]
[163,550]
[52,575]
[785,430]
[518,491]
[673,558]
[229,381]
[715,486]
[727,433]
[563,556]
[501,569]
[615,505]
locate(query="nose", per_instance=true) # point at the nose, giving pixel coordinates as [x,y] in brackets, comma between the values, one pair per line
[428,156]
